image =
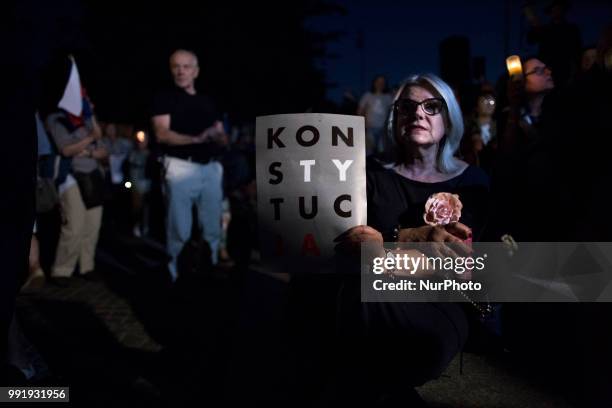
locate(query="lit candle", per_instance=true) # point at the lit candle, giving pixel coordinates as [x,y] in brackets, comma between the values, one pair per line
[140,135]
[515,69]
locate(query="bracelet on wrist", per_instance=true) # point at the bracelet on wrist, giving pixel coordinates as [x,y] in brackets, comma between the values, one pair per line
[389,272]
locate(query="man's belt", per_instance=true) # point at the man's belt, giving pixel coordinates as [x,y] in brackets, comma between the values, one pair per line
[195,159]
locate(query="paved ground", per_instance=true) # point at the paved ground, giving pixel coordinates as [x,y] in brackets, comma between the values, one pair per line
[133,339]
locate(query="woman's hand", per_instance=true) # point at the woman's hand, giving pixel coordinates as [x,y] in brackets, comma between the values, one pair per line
[350,240]
[83,153]
[99,153]
[455,234]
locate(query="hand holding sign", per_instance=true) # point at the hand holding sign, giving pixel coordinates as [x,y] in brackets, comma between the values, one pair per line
[350,241]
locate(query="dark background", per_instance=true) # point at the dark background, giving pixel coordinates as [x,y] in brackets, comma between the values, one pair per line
[272,56]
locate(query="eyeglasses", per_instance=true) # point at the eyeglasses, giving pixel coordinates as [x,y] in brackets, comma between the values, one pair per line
[538,71]
[431,106]
[487,100]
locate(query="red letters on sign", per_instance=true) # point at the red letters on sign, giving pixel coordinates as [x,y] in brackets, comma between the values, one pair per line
[309,246]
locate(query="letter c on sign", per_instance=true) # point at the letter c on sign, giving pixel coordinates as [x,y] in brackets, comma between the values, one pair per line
[338,210]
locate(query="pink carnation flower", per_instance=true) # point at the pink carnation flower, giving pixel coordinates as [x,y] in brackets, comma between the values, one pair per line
[442,209]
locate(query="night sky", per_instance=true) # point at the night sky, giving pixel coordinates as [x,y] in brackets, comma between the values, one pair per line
[403,37]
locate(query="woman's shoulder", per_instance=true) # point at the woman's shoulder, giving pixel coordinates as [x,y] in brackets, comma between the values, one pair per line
[58,122]
[474,176]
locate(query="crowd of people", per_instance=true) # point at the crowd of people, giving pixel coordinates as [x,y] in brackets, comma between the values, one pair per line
[525,155]
[94,173]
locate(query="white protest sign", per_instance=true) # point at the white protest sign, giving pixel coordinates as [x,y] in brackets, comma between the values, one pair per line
[311,187]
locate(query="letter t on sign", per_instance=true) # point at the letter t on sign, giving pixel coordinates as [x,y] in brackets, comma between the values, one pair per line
[307,164]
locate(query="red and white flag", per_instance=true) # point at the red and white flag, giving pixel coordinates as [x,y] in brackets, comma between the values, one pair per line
[72,100]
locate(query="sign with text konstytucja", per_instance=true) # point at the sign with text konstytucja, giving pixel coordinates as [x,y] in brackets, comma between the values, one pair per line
[311,187]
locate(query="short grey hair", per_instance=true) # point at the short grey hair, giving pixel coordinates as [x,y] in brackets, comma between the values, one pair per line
[184,51]
[453,119]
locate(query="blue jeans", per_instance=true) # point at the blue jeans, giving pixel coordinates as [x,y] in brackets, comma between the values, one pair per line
[189,183]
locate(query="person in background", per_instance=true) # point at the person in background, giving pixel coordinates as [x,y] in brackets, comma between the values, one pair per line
[36,277]
[480,132]
[374,106]
[560,42]
[78,138]
[119,199]
[523,161]
[191,133]
[576,127]
[119,149]
[588,59]
[138,161]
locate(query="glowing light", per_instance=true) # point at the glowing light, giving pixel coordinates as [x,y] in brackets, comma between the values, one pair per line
[140,135]
[513,63]
[128,184]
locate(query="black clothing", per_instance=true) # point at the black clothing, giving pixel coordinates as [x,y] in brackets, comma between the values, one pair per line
[432,333]
[524,173]
[428,335]
[394,199]
[580,130]
[190,115]
[384,348]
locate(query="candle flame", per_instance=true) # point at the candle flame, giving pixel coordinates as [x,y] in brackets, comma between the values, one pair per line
[513,63]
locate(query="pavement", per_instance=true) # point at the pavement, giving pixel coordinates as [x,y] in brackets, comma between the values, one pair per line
[135,338]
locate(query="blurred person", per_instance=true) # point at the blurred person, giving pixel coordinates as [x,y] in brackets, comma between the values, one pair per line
[480,132]
[118,197]
[189,129]
[24,357]
[81,193]
[35,278]
[560,42]
[374,106]
[523,164]
[575,127]
[138,164]
[21,353]
[48,218]
[588,59]
[526,101]
[118,148]
[584,111]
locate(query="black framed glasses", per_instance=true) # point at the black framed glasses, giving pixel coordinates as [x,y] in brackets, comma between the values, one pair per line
[538,71]
[431,106]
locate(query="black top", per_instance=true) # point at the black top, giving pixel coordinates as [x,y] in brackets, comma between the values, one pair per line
[393,199]
[189,115]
